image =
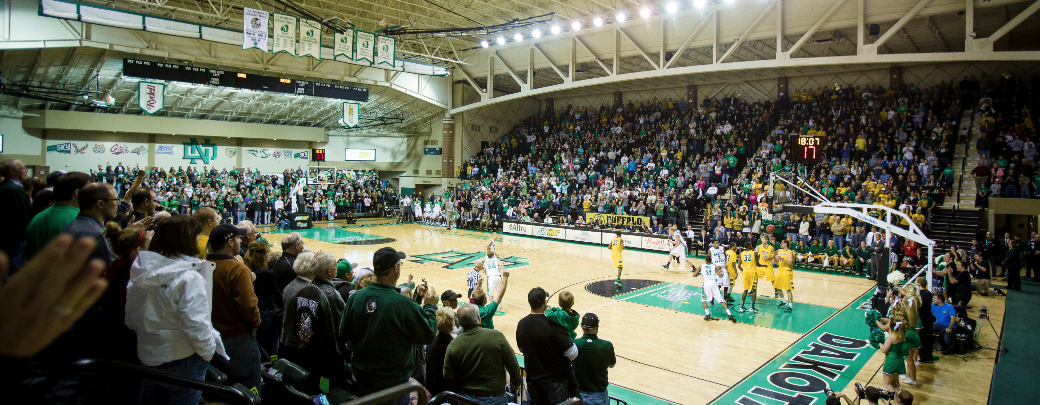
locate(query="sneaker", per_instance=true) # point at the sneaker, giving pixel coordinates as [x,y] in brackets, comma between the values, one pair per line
[666,266]
[910,382]
[781,305]
[754,310]
[788,309]
[732,319]
[709,318]
[743,308]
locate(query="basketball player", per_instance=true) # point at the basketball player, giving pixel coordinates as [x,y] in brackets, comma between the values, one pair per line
[785,276]
[750,277]
[616,246]
[678,250]
[765,253]
[491,243]
[494,272]
[731,270]
[718,258]
[710,291]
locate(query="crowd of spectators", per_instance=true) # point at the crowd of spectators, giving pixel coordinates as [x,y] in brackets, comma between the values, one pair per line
[187,292]
[247,194]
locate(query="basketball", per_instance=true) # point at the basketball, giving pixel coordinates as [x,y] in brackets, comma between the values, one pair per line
[770,229]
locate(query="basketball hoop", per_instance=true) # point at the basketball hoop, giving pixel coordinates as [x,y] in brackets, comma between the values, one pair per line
[321,176]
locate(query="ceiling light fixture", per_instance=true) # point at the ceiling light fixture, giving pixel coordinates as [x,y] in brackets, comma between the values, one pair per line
[555,29]
[484,43]
[699,3]
[537,33]
[501,41]
[673,7]
[575,25]
[518,37]
[645,12]
[598,21]
[620,17]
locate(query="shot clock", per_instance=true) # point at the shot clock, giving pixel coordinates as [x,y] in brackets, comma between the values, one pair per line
[805,149]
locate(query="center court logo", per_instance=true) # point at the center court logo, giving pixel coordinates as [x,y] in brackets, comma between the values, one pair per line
[455,260]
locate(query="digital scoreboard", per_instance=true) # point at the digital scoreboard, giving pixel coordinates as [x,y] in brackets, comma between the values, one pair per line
[805,149]
[215,77]
[318,155]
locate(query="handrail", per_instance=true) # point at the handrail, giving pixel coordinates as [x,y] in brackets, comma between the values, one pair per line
[461,399]
[391,393]
[211,391]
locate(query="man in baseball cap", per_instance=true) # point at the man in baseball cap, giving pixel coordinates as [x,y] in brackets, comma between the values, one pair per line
[450,299]
[383,327]
[595,356]
[221,234]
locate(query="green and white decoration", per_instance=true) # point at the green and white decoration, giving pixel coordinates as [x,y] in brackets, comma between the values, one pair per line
[387,47]
[284,34]
[310,38]
[365,47]
[151,96]
[351,114]
[344,44]
[254,29]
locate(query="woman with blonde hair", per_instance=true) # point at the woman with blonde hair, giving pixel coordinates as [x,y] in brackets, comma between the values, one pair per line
[267,295]
[894,348]
[908,307]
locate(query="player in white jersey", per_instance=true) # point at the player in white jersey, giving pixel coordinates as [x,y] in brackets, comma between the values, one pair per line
[493,268]
[491,243]
[710,290]
[718,258]
[678,249]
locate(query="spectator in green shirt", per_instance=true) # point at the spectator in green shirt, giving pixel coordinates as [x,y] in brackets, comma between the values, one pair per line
[381,327]
[46,225]
[595,356]
[488,310]
[476,361]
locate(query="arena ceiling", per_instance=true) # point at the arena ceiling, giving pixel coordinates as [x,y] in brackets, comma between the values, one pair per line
[464,24]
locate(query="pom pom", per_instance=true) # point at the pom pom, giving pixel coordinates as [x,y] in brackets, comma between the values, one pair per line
[877,338]
[872,317]
[896,278]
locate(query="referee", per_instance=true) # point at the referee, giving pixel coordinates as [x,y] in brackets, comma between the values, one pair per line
[595,356]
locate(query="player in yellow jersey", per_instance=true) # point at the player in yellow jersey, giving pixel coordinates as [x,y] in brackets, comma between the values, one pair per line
[750,272]
[616,246]
[765,254]
[784,281]
[731,268]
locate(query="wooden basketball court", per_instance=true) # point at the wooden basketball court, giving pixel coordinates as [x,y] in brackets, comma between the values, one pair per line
[667,352]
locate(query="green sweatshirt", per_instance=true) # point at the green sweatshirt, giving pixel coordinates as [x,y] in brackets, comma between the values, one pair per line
[382,326]
[567,320]
[474,361]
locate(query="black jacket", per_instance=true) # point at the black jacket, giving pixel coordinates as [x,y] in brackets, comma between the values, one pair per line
[283,271]
[14,204]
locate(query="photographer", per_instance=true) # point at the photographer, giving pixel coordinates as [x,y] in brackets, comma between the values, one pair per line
[959,286]
[979,269]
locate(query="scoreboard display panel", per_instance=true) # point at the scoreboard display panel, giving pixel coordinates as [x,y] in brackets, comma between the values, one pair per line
[805,149]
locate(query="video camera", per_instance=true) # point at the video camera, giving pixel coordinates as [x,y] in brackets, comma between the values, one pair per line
[861,392]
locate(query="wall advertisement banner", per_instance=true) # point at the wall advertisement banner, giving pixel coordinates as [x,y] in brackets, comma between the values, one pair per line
[655,243]
[581,235]
[631,241]
[547,232]
[83,156]
[254,29]
[517,228]
[612,219]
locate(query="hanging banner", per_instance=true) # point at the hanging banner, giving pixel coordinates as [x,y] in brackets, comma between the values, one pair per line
[351,114]
[254,29]
[284,34]
[365,47]
[344,45]
[151,96]
[310,39]
[386,47]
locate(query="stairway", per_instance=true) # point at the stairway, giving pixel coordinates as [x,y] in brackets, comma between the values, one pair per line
[965,187]
[954,227]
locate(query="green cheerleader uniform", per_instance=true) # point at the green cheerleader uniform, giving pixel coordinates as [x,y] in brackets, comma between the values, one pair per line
[894,363]
[913,339]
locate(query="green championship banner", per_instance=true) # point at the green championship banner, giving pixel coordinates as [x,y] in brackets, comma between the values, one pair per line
[611,219]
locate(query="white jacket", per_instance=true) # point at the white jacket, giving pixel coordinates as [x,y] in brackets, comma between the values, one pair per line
[168,305]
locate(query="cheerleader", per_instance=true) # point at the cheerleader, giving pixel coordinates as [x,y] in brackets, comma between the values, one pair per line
[911,305]
[895,347]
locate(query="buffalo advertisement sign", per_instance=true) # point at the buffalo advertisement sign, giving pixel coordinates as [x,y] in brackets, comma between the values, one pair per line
[829,356]
[611,219]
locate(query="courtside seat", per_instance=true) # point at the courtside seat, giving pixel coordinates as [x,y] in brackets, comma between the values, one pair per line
[214,375]
[283,383]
